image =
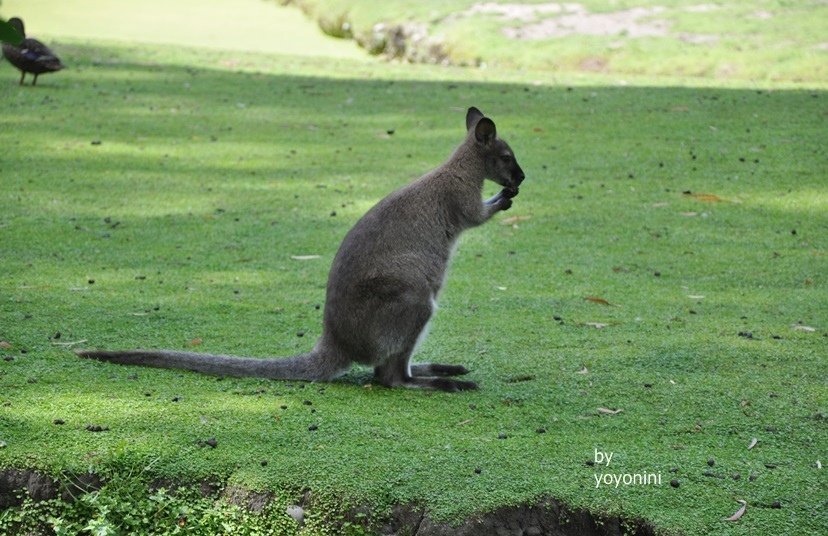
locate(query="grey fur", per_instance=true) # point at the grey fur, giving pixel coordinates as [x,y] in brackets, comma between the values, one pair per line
[385,278]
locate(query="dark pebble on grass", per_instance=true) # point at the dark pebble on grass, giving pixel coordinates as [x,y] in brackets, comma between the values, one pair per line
[91,281]
[711,462]
[96,142]
[776,504]
[540,431]
[502,436]
[307,403]
[212,443]
[736,476]
[176,399]
[746,334]
[478,470]
[283,407]
[770,466]
[96,428]
[590,463]
[675,483]
[753,476]
[58,422]
[300,333]
[56,336]
[313,428]
[674,469]
[263,463]
[8,358]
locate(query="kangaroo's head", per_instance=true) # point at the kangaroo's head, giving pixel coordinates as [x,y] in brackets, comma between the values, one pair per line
[500,162]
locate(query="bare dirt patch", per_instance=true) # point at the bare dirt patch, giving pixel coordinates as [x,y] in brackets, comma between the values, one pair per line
[557,20]
[546,516]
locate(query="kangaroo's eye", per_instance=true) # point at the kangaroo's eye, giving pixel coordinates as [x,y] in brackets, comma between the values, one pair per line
[506,158]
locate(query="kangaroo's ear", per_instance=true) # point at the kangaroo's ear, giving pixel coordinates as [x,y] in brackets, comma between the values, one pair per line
[485,131]
[472,117]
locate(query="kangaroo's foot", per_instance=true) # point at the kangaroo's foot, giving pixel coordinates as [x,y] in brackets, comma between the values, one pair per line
[436,369]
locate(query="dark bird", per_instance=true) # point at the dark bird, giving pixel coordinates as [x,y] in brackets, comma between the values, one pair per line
[30,56]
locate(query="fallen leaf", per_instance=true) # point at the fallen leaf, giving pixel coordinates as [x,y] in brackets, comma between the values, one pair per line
[689,214]
[806,329]
[695,296]
[500,288]
[607,411]
[753,443]
[305,257]
[69,343]
[819,464]
[196,342]
[596,325]
[5,345]
[707,198]
[511,220]
[739,513]
[463,423]
[583,371]
[660,204]
[596,299]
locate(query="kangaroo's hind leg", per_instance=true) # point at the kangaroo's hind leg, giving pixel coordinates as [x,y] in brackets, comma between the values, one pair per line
[410,320]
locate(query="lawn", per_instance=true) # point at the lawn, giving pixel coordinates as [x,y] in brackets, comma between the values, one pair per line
[657,291]
[760,40]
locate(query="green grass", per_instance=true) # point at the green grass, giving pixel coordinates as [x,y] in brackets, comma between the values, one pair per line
[179,225]
[761,40]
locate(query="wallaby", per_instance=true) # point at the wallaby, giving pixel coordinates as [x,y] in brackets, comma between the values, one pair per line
[385,278]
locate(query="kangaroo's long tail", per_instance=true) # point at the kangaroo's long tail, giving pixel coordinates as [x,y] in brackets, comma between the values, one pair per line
[313,366]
